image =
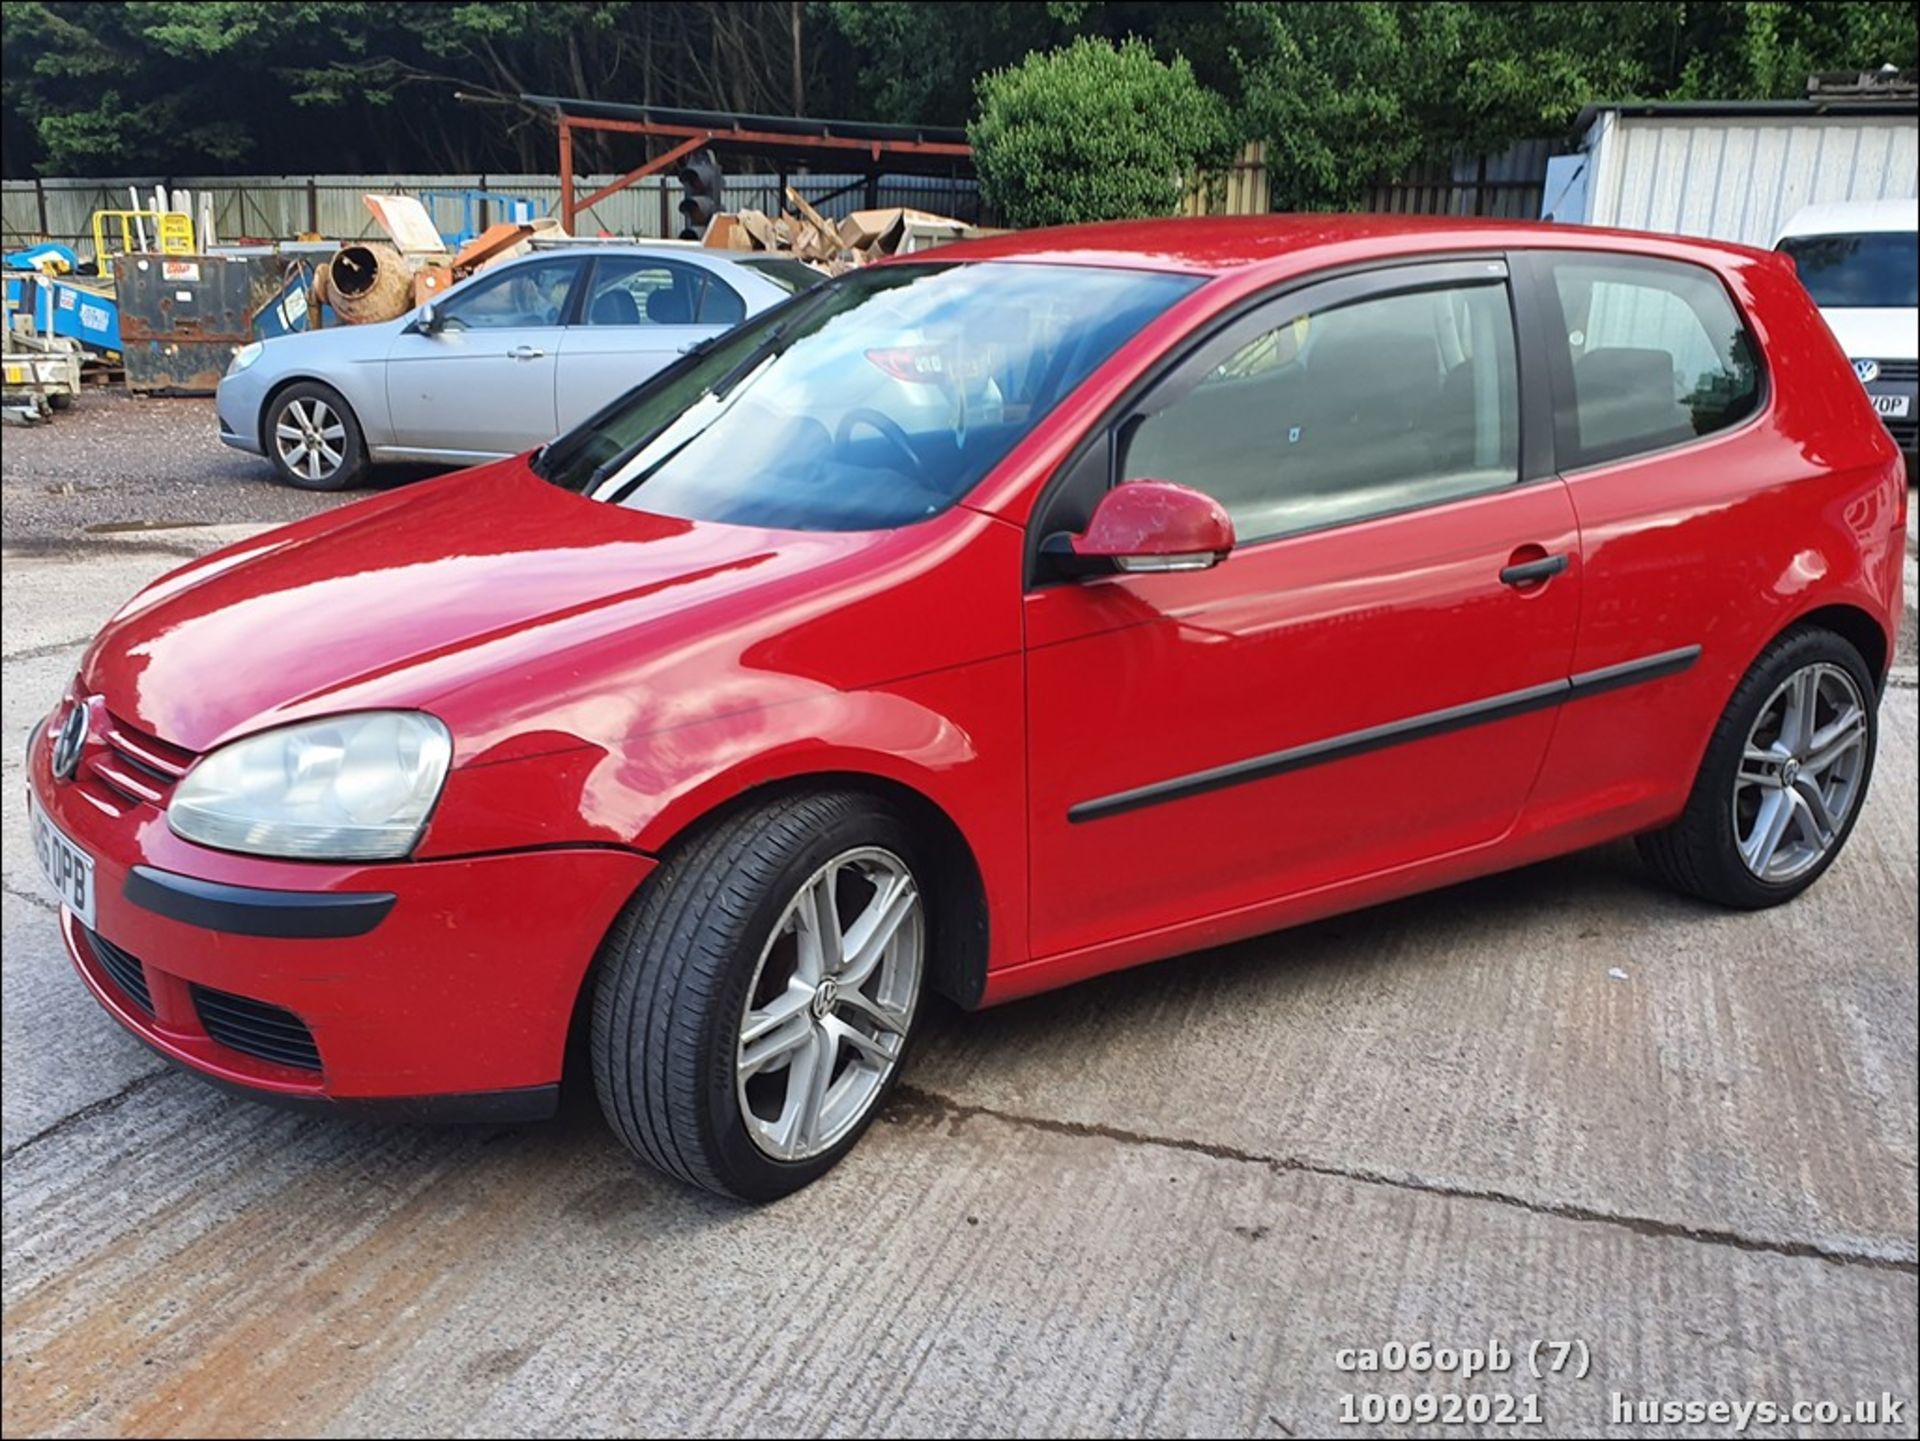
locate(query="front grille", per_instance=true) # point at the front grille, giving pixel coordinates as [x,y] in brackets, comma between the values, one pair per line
[135,766]
[256,1029]
[1906,433]
[125,970]
[1900,370]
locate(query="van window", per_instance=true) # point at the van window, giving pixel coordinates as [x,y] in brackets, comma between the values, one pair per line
[1655,355]
[1875,271]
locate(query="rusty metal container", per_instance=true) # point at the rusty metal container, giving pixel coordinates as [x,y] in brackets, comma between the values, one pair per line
[183,316]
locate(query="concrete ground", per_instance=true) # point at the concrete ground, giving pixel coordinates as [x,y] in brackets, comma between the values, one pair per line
[1554,1106]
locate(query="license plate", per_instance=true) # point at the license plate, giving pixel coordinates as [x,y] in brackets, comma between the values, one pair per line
[1893,407]
[69,869]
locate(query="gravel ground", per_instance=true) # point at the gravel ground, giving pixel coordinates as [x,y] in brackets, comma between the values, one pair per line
[117,462]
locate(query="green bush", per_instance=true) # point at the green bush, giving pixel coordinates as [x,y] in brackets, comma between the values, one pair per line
[1091,132]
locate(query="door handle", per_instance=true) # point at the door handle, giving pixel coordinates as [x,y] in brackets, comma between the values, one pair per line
[1532,572]
[525,352]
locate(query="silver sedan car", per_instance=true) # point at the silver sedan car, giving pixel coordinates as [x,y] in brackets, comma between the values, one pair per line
[502,362]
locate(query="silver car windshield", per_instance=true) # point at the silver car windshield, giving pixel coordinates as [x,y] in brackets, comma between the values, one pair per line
[870,402]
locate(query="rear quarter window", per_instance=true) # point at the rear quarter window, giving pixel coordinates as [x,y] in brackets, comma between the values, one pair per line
[1648,354]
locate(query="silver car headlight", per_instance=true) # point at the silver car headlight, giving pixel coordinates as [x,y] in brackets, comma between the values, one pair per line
[245,356]
[352,787]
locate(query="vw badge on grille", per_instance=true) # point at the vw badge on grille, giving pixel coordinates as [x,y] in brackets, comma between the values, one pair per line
[1867,370]
[68,744]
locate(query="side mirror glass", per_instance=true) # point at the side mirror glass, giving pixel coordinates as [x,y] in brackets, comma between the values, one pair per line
[1147,525]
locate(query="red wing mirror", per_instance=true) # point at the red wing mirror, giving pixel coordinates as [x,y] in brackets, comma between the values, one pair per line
[1148,525]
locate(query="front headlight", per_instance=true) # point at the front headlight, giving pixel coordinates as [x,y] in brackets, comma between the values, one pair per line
[352,787]
[245,356]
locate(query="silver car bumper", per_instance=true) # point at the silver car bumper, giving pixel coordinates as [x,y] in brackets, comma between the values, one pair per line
[236,401]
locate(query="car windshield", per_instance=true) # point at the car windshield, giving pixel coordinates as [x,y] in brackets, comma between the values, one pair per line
[870,402]
[1874,270]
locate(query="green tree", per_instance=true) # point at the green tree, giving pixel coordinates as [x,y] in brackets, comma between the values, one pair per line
[1347,93]
[1342,92]
[1094,132]
[1765,50]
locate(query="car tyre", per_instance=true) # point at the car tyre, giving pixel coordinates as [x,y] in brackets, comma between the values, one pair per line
[314,439]
[705,977]
[1759,764]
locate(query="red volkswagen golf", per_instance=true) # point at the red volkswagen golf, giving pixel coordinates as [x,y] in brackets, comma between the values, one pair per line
[974,626]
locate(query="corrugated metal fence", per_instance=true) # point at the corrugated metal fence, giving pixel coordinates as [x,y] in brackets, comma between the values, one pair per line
[1509,185]
[282,206]
[1241,189]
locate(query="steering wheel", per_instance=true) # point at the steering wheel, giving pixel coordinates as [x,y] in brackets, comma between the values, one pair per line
[888,427]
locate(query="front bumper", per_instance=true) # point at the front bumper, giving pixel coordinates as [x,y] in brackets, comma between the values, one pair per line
[236,401]
[1905,429]
[429,989]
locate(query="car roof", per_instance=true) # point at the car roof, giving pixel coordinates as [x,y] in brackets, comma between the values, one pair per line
[1854,217]
[656,250]
[1218,245]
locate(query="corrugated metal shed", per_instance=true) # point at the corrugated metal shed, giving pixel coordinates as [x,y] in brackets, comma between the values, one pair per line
[1740,172]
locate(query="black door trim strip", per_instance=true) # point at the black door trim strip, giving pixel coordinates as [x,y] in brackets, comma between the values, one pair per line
[1414,728]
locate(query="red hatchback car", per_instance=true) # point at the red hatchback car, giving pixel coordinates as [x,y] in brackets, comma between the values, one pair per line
[976,625]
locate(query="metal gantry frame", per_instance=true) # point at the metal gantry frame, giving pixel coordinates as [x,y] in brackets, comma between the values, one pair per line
[898,148]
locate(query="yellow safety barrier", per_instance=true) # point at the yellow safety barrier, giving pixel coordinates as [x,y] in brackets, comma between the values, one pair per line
[168,231]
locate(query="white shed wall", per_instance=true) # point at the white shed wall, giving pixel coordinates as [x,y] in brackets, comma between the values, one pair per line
[1742,179]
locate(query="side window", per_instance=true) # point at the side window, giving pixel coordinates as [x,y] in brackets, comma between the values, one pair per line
[519,295]
[644,291]
[1655,355]
[1332,416]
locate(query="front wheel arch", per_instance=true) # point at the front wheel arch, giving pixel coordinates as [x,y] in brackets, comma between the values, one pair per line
[353,470]
[960,917]
[280,388]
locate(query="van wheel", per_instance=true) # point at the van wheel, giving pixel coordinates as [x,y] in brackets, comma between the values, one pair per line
[754,1003]
[1783,780]
[313,439]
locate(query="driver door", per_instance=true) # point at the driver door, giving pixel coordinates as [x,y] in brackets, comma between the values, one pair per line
[1368,680]
[483,383]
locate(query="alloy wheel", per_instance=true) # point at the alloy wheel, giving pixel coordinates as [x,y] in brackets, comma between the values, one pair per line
[832,998]
[310,438]
[1800,771]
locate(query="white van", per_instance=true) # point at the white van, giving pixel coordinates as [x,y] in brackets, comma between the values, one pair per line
[1859,261]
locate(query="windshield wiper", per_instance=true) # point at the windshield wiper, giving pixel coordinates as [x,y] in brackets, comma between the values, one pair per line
[769,344]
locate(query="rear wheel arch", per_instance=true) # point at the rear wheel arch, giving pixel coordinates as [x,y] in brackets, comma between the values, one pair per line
[1853,624]
[1703,851]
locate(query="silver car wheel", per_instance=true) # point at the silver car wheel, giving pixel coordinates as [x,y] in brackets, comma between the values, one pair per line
[1799,775]
[310,439]
[827,1014]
